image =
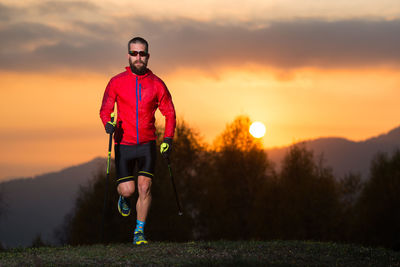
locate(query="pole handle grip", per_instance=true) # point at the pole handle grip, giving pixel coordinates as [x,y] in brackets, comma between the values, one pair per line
[112,117]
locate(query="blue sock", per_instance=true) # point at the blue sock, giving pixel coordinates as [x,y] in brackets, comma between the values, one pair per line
[139,226]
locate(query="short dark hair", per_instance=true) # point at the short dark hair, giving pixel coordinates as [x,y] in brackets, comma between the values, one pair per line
[138,40]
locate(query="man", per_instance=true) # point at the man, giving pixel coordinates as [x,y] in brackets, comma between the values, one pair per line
[138,93]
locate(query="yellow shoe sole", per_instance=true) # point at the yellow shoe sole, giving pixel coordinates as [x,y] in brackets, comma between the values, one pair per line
[140,242]
[123,213]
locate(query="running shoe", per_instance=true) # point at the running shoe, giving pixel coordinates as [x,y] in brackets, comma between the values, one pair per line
[124,206]
[139,239]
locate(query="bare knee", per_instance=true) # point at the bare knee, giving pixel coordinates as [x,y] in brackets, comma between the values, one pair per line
[144,189]
[144,186]
[126,189]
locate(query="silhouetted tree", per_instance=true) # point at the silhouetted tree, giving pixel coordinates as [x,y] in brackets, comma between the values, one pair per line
[378,207]
[38,242]
[350,187]
[308,198]
[238,175]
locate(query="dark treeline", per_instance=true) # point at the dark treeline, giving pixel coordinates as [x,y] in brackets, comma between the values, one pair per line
[232,191]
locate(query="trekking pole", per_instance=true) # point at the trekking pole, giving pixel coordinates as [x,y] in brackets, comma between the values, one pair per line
[180,213]
[107,178]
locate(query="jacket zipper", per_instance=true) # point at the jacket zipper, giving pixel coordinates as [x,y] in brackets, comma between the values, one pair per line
[137,111]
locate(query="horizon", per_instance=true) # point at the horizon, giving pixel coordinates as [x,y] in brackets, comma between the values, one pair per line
[62,168]
[306,70]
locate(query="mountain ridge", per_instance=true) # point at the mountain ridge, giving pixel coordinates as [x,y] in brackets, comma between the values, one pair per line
[43,198]
[345,155]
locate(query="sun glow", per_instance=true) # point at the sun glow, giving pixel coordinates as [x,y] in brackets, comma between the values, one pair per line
[257,129]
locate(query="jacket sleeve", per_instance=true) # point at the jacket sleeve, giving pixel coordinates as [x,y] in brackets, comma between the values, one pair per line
[107,105]
[167,110]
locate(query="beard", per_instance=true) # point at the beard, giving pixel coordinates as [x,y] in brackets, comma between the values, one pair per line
[138,70]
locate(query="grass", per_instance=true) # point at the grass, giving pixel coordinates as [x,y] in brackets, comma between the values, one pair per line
[218,253]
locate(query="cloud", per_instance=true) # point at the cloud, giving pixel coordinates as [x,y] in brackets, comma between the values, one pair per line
[5,12]
[352,43]
[184,43]
[62,7]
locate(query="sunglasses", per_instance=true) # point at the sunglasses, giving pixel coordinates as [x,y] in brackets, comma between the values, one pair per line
[141,53]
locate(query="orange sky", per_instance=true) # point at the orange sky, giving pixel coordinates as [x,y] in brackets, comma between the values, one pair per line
[306,71]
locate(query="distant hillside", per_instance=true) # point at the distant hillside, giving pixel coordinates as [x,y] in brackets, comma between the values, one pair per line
[346,156]
[38,205]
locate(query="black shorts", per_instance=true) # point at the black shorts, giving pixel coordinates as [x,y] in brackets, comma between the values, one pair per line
[126,157]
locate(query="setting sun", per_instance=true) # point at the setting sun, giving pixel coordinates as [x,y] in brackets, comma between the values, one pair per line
[257,129]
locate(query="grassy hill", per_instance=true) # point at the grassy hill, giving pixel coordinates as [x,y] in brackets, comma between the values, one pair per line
[218,253]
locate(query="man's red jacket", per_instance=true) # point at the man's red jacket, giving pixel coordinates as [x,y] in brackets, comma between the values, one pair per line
[137,97]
